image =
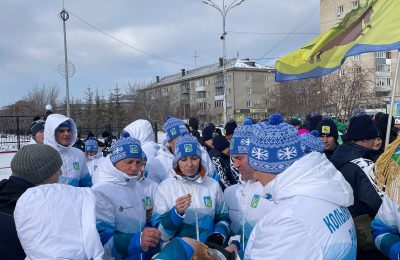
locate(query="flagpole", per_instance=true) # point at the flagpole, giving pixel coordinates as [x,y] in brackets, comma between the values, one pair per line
[389,123]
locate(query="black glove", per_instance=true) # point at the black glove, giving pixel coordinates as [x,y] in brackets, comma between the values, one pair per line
[215,238]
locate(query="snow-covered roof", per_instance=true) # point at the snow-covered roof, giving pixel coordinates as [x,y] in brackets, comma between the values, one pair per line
[213,69]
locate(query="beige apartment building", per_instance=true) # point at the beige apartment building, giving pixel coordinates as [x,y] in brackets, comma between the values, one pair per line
[200,92]
[381,64]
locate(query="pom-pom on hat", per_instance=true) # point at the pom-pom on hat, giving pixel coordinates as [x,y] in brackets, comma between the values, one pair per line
[174,127]
[241,139]
[274,146]
[91,145]
[125,148]
[186,146]
[310,142]
[328,127]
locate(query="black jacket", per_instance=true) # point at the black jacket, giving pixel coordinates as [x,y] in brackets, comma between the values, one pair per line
[223,165]
[10,191]
[366,199]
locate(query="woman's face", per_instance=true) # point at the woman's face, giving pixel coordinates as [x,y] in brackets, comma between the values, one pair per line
[189,165]
[377,144]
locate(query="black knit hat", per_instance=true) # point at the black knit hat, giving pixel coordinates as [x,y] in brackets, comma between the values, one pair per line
[361,128]
[35,163]
[208,131]
[312,121]
[220,143]
[37,126]
[327,127]
[230,127]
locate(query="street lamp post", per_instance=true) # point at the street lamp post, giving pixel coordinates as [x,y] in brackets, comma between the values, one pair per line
[223,10]
[64,16]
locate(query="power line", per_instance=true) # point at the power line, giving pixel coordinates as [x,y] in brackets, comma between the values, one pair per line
[127,44]
[270,33]
[284,38]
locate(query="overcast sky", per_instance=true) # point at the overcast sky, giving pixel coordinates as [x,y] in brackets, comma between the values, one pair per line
[31,39]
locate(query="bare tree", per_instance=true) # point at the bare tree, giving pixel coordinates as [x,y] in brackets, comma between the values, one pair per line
[40,96]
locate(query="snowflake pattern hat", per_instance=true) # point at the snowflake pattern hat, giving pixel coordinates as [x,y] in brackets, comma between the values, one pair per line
[241,139]
[174,128]
[310,142]
[186,146]
[274,146]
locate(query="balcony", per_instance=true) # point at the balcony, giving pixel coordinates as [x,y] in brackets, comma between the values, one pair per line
[200,88]
[219,97]
[200,100]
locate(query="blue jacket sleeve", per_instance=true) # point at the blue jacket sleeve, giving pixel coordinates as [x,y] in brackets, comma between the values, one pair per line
[385,230]
[170,223]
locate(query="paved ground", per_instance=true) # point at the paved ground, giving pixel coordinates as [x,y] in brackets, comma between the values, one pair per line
[5,161]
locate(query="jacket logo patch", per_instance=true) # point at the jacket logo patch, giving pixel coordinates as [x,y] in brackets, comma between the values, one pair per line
[147,203]
[254,201]
[173,131]
[76,166]
[207,201]
[188,148]
[134,149]
[326,129]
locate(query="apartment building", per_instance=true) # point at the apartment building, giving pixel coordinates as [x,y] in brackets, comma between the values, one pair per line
[200,92]
[381,64]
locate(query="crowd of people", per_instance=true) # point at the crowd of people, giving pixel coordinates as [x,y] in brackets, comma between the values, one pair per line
[266,190]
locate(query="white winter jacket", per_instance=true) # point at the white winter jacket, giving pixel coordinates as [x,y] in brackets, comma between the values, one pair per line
[307,214]
[92,163]
[57,221]
[161,167]
[143,131]
[120,213]
[74,169]
[207,214]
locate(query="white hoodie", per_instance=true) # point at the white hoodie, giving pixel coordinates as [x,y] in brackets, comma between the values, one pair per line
[93,163]
[308,216]
[74,169]
[143,131]
[120,212]
[161,167]
[57,221]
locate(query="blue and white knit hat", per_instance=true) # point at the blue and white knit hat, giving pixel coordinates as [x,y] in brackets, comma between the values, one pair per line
[241,138]
[186,146]
[66,124]
[310,142]
[125,148]
[91,145]
[274,146]
[174,127]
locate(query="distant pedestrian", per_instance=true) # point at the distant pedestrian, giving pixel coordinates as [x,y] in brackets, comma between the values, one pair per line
[329,135]
[37,131]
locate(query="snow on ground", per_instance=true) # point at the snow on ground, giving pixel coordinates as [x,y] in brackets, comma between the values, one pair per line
[5,162]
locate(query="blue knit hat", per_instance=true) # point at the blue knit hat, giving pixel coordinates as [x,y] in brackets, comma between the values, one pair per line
[186,146]
[66,124]
[274,146]
[174,127]
[241,138]
[310,142]
[125,148]
[91,145]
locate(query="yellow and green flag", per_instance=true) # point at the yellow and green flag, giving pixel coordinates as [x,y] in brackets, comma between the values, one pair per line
[373,26]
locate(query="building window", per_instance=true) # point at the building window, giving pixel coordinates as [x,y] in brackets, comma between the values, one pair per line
[355,4]
[383,81]
[209,106]
[219,91]
[207,82]
[229,104]
[229,78]
[357,70]
[219,103]
[357,57]
[201,94]
[382,68]
[229,91]
[383,54]
[248,77]
[248,91]
[200,82]
[202,105]
[248,103]
[340,10]
[342,73]
[267,78]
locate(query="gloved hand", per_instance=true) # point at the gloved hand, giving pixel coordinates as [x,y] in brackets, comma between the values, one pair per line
[216,238]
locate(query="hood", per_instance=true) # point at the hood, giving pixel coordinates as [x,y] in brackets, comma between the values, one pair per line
[70,211]
[164,150]
[52,122]
[347,152]
[142,130]
[108,173]
[312,176]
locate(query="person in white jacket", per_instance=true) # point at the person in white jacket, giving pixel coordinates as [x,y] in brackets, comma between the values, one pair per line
[149,187]
[120,211]
[60,132]
[143,131]
[307,199]
[190,204]
[93,157]
[160,168]
[56,221]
